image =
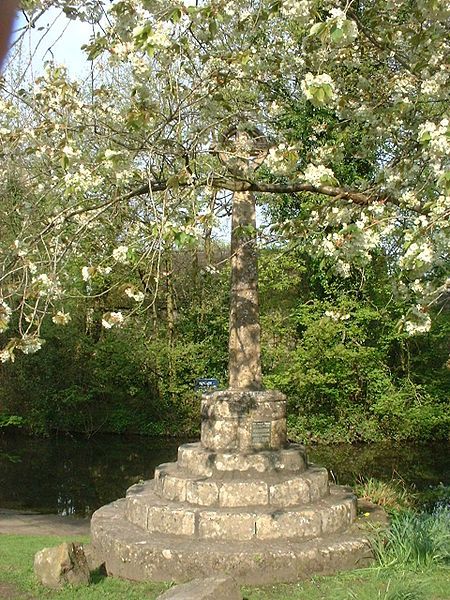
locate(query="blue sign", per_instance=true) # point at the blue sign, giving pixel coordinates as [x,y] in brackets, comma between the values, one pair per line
[206,384]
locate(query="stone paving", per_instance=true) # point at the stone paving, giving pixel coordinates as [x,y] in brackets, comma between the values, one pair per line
[14,522]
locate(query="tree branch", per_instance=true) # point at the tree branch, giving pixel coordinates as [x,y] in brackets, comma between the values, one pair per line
[360,198]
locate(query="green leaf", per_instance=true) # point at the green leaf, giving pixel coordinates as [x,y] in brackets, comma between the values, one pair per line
[336,35]
[212,26]
[425,137]
[319,94]
[317,29]
[349,29]
[444,181]
[64,161]
[175,16]
[173,182]
[329,180]
[275,6]
[95,49]
[328,91]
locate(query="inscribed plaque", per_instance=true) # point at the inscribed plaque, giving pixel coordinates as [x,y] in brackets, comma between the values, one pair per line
[261,432]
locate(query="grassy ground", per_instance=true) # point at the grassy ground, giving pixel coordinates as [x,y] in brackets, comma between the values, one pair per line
[17,581]
[367,584]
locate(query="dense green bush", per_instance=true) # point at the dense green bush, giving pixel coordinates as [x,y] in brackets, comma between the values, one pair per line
[132,379]
[77,383]
[335,348]
[332,346]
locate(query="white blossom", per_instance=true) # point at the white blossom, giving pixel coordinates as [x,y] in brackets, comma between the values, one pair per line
[417,252]
[417,321]
[159,36]
[120,254]
[70,152]
[343,268]
[86,273]
[111,154]
[111,319]
[31,267]
[430,87]
[61,318]
[19,246]
[47,285]
[122,50]
[5,316]
[328,246]
[82,181]
[135,294]
[426,254]
[338,15]
[417,286]
[409,198]
[7,355]
[282,159]
[319,175]
[301,10]
[30,344]
[336,315]
[319,89]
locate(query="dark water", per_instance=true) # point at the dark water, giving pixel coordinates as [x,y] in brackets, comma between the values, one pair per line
[75,475]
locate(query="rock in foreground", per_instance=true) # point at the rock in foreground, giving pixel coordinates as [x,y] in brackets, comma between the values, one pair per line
[61,565]
[212,588]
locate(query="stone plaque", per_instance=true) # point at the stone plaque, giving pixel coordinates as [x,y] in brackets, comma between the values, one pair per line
[261,432]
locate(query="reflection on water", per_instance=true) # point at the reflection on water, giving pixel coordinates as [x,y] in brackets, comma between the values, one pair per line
[420,465]
[75,475]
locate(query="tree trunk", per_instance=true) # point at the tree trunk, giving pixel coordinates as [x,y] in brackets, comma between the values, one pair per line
[170,311]
[245,336]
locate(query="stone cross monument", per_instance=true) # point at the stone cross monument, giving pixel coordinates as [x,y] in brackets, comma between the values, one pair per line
[242,501]
[244,417]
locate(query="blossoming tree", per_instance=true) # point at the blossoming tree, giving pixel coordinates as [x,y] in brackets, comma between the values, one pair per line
[112,171]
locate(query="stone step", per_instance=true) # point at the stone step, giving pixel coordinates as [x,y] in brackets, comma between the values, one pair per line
[147,510]
[236,488]
[132,553]
[200,461]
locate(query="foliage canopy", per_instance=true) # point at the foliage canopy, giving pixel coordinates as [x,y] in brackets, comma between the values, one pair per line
[110,174]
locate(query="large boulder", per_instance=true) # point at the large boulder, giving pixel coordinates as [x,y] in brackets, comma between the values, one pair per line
[61,565]
[212,588]
[93,560]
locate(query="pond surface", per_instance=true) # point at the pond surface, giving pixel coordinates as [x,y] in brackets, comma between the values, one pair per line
[75,475]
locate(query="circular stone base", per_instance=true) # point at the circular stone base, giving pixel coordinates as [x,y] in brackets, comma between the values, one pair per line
[132,553]
[200,461]
[329,515]
[240,489]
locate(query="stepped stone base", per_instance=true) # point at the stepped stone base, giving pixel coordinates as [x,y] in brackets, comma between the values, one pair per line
[241,502]
[131,553]
[155,514]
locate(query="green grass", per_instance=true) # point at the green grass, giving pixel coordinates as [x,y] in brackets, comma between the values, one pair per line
[413,582]
[415,540]
[391,495]
[366,584]
[16,568]
[396,495]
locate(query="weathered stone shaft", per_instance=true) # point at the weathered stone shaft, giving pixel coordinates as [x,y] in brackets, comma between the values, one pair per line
[245,334]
